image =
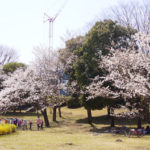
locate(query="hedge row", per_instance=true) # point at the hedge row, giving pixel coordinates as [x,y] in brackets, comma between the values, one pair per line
[7,128]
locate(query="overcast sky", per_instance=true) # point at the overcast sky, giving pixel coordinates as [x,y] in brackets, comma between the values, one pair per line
[22,27]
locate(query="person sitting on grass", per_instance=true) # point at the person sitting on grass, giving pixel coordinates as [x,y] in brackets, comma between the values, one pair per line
[139,131]
[147,130]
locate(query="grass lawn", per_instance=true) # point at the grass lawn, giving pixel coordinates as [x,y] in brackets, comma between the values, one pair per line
[73,133]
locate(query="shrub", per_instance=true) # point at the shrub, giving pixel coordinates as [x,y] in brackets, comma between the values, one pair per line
[74,102]
[7,128]
[11,67]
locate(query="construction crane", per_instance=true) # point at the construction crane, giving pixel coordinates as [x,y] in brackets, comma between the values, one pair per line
[51,21]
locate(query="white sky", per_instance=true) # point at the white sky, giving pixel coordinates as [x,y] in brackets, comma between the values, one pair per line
[22,27]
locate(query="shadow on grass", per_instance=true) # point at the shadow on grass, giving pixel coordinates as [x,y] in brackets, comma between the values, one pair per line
[107,129]
[99,130]
[105,120]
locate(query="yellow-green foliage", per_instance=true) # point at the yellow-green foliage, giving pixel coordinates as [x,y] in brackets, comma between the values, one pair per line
[7,128]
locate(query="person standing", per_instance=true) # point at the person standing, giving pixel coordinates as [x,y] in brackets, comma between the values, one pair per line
[38,122]
[25,123]
[22,124]
[30,124]
[41,124]
[6,121]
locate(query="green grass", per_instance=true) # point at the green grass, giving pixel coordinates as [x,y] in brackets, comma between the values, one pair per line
[72,133]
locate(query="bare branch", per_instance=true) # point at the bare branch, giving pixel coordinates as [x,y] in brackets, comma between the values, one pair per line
[7,55]
[135,15]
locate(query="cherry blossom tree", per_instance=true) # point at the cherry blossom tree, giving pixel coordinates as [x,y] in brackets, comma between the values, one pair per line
[143,42]
[50,72]
[127,78]
[38,85]
[20,88]
[24,87]
[82,65]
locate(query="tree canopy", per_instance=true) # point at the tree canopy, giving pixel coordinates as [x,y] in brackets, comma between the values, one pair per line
[12,66]
[103,36]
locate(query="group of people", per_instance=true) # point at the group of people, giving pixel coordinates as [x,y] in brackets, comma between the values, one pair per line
[141,131]
[23,123]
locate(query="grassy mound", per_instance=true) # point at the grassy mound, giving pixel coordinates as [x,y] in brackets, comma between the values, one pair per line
[7,128]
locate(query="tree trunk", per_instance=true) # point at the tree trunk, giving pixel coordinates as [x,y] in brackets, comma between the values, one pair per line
[108,111]
[139,124]
[44,113]
[54,113]
[89,113]
[146,113]
[59,110]
[112,124]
